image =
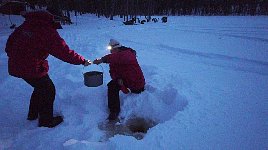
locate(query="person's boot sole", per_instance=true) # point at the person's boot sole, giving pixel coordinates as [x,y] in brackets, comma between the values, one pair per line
[56,121]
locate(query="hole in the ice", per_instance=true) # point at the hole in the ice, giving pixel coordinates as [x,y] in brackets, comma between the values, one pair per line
[136,127]
[140,125]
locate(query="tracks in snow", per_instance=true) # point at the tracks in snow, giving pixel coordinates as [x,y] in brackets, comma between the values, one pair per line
[223,61]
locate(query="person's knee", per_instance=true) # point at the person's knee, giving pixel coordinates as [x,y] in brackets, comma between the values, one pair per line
[112,84]
[49,85]
[52,89]
[47,89]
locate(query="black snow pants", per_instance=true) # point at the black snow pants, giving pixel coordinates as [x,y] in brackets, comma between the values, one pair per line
[42,98]
[113,96]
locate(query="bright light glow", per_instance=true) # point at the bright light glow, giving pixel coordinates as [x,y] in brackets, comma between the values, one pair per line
[109,47]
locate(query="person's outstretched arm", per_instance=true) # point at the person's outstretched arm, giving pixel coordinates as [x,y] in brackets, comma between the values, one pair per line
[59,49]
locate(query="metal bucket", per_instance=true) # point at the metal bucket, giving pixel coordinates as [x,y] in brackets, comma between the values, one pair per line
[93,78]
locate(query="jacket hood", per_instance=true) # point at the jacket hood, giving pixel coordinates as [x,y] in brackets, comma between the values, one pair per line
[43,18]
[39,16]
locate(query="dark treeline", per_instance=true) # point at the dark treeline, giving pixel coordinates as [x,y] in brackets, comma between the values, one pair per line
[132,8]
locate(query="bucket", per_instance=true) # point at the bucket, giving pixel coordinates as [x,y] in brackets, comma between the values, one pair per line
[93,78]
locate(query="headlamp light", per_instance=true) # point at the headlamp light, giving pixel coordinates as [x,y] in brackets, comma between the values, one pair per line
[109,47]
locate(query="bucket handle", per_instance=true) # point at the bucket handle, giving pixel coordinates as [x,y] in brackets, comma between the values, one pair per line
[97,65]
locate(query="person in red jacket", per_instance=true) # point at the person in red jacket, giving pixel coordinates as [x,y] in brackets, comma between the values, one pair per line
[125,72]
[27,49]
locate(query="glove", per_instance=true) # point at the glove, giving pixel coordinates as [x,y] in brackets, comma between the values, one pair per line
[123,88]
[87,63]
[97,61]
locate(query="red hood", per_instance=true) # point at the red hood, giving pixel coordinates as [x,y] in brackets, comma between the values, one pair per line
[41,18]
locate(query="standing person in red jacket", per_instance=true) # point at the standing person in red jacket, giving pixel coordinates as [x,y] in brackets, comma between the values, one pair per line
[125,72]
[27,49]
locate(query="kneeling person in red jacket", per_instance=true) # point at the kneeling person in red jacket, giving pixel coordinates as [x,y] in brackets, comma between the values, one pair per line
[27,49]
[125,72]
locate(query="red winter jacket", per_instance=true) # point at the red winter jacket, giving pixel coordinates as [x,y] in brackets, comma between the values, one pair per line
[32,42]
[124,65]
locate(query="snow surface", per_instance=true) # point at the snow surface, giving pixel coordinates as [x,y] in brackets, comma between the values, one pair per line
[207,83]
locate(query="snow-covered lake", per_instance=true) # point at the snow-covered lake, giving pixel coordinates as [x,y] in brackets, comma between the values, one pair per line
[206,86]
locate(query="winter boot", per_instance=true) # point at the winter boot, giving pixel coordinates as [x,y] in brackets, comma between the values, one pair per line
[31,117]
[51,124]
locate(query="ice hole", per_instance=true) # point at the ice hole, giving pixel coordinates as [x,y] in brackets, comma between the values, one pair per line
[136,127]
[140,125]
